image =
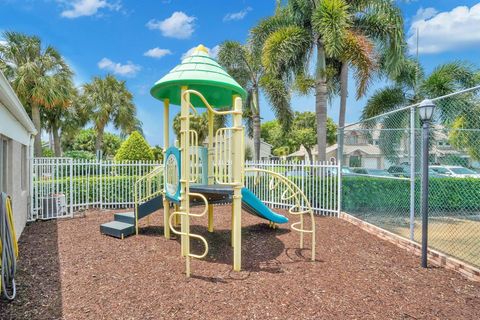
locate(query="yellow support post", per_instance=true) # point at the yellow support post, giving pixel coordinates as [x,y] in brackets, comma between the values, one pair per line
[185,177]
[166,138]
[237,169]
[211,178]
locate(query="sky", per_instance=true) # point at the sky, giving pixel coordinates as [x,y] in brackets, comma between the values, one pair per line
[140,41]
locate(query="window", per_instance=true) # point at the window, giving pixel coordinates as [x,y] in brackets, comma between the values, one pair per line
[24,173]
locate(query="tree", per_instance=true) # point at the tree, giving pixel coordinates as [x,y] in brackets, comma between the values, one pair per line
[368,29]
[303,132]
[411,86]
[67,119]
[331,28]
[198,123]
[109,100]
[84,140]
[134,148]
[39,76]
[243,63]
[273,133]
[157,153]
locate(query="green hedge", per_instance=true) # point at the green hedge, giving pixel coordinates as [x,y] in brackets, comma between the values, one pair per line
[362,194]
[116,189]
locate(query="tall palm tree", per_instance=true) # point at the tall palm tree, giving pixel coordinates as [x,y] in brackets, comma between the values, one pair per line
[366,35]
[244,63]
[108,100]
[327,30]
[40,76]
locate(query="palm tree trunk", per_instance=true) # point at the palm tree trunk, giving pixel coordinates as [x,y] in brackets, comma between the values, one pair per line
[99,141]
[256,125]
[321,102]
[343,94]
[56,141]
[37,143]
[310,156]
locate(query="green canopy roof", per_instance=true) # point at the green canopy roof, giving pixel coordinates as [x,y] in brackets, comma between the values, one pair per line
[202,73]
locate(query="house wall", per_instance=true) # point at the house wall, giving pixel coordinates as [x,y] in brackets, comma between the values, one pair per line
[14,163]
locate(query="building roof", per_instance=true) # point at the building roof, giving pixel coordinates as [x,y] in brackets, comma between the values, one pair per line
[14,106]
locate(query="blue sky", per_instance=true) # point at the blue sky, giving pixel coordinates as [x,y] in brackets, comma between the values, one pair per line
[140,41]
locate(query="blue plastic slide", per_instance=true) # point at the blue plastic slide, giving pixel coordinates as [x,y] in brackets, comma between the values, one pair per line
[255,206]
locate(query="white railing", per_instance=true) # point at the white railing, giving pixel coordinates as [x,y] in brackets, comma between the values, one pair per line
[62,186]
[319,181]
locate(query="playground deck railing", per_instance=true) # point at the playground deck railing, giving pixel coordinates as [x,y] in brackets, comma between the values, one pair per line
[63,186]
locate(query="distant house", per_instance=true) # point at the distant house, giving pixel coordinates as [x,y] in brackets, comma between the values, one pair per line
[16,146]
[363,150]
[265,148]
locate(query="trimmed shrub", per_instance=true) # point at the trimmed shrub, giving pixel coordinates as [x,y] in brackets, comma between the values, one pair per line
[446,195]
[79,154]
[134,148]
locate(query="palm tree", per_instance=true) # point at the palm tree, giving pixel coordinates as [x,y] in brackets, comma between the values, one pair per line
[410,86]
[67,120]
[359,32]
[108,100]
[328,30]
[39,76]
[244,63]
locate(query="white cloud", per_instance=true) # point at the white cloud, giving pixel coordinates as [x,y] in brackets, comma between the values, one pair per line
[80,8]
[178,25]
[237,15]
[424,14]
[128,69]
[213,52]
[157,52]
[445,31]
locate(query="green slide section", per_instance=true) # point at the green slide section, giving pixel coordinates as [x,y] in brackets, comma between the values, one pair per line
[255,206]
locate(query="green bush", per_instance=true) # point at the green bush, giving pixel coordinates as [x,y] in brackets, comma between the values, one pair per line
[134,148]
[446,195]
[115,189]
[79,154]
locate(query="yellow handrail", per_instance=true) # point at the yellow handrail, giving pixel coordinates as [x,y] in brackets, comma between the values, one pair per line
[205,102]
[156,173]
[292,191]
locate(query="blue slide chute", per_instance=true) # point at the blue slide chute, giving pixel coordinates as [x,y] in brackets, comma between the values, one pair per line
[255,206]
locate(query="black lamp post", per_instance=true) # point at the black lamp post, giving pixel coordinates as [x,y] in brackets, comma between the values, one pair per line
[425,110]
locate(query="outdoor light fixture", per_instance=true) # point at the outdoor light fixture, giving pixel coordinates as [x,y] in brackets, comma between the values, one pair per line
[425,110]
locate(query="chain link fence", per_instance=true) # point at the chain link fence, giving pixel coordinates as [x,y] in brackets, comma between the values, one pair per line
[381,177]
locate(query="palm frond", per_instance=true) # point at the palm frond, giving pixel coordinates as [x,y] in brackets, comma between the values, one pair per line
[331,20]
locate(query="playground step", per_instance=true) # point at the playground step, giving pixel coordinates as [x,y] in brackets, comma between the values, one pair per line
[117,229]
[126,217]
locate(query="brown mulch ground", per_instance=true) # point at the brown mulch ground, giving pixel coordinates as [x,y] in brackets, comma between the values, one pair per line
[69,270]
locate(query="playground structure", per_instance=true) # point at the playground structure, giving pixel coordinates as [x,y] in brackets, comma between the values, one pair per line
[194,175]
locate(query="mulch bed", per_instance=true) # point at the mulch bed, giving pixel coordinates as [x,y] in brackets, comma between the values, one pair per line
[69,270]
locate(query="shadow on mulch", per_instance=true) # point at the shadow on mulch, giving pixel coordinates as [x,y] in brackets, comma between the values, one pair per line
[255,238]
[38,276]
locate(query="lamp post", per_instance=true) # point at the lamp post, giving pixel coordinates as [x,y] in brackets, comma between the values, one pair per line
[425,110]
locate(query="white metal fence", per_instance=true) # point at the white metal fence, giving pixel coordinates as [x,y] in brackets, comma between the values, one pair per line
[62,186]
[319,181]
